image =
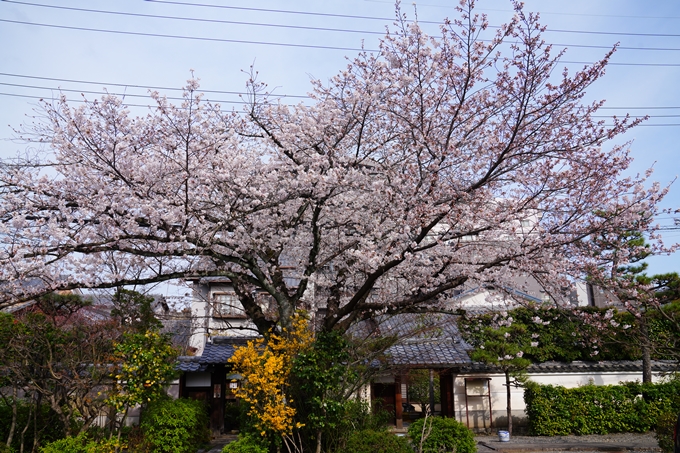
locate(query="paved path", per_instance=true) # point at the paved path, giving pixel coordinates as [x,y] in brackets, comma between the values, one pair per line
[638,443]
[610,443]
[218,443]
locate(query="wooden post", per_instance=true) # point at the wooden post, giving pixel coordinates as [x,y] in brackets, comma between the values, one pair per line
[446,393]
[398,408]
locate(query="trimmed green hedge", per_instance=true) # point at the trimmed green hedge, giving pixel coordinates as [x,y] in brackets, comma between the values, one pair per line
[592,409]
[175,426]
[368,441]
[442,434]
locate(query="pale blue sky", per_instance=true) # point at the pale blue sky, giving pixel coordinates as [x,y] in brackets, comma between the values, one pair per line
[641,79]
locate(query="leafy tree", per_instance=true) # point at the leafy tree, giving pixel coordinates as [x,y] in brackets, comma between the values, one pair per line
[429,164]
[317,384]
[419,389]
[144,366]
[502,343]
[57,357]
[174,425]
[436,434]
[266,366]
[134,311]
[368,441]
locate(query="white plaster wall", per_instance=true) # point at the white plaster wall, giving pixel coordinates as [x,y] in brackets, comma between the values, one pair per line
[478,407]
[199,319]
[581,293]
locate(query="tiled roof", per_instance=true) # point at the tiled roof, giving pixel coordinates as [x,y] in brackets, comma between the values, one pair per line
[581,367]
[216,352]
[425,340]
[444,354]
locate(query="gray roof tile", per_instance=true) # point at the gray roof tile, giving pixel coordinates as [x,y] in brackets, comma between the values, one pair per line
[218,351]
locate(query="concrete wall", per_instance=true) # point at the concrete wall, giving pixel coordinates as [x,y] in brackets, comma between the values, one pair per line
[478,406]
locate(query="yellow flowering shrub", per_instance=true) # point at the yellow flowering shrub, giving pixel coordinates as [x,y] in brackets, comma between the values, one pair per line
[144,365]
[265,367]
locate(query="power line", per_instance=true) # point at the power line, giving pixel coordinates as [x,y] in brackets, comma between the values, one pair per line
[545,12]
[343,30]
[611,63]
[193,19]
[632,116]
[80,101]
[284,11]
[351,16]
[195,38]
[99,92]
[156,16]
[308,46]
[127,85]
[237,102]
[175,98]
[164,88]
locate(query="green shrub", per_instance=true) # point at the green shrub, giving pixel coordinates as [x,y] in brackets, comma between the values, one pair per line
[81,444]
[591,409]
[50,427]
[246,444]
[175,426]
[357,416]
[442,434]
[4,448]
[664,431]
[67,445]
[368,441]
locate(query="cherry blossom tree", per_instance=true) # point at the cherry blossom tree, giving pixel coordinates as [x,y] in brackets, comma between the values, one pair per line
[432,163]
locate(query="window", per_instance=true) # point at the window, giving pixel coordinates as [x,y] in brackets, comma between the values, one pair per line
[227,305]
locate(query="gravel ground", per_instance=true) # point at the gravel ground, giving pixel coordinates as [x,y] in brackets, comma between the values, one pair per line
[620,439]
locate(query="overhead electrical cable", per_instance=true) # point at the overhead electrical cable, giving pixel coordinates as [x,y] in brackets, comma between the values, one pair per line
[127,85]
[308,46]
[348,16]
[219,21]
[275,95]
[195,38]
[551,30]
[123,95]
[194,19]
[544,12]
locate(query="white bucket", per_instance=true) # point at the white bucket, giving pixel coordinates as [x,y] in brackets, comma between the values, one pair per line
[503,436]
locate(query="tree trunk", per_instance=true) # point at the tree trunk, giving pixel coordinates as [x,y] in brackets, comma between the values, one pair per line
[646,364]
[36,433]
[431,391]
[13,425]
[507,388]
[318,441]
[646,352]
[23,432]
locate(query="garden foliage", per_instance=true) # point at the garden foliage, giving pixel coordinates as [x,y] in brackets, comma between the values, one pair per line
[590,409]
[82,444]
[175,426]
[664,431]
[265,365]
[545,333]
[441,434]
[369,441]
[145,365]
[246,444]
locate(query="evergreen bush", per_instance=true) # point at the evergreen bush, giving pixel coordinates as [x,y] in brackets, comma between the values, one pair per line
[442,434]
[246,444]
[664,431]
[175,426]
[369,441]
[50,427]
[591,409]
